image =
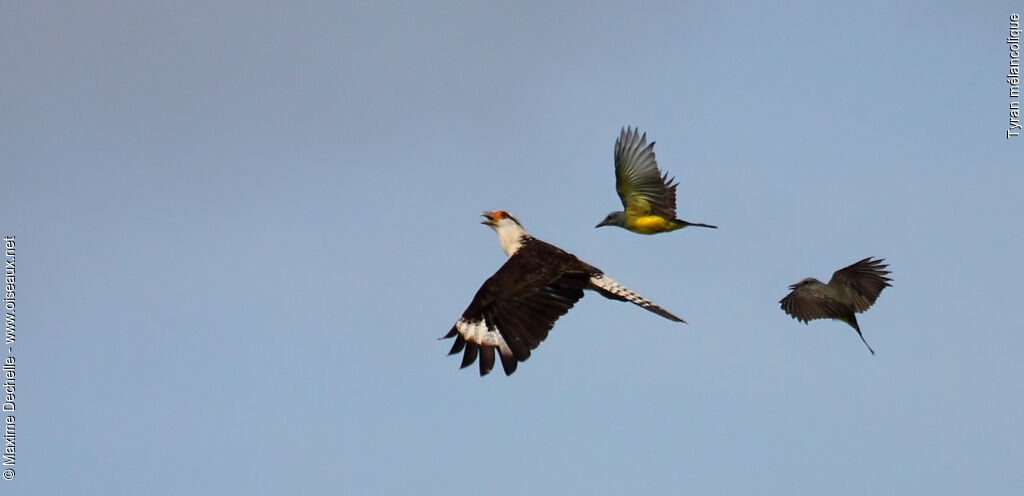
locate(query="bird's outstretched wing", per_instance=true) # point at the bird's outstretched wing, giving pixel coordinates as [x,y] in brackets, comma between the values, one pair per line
[514,310]
[644,190]
[863,281]
[807,303]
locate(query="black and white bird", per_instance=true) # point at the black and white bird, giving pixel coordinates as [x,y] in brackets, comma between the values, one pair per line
[516,307]
[851,290]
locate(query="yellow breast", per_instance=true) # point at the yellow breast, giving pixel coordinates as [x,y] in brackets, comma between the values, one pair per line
[650,224]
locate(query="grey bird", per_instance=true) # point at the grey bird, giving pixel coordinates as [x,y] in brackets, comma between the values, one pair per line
[851,290]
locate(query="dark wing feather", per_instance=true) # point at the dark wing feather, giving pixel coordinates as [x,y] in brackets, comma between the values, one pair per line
[643,189]
[459,344]
[863,282]
[486,359]
[805,304]
[525,322]
[520,303]
[471,351]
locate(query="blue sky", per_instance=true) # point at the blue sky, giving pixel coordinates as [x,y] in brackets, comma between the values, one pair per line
[242,226]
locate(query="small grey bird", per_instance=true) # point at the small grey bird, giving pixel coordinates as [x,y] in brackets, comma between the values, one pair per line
[851,290]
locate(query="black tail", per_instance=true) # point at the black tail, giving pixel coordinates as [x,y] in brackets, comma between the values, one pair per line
[853,323]
[695,224]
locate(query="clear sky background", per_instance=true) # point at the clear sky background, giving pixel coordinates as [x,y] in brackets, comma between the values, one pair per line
[242,226]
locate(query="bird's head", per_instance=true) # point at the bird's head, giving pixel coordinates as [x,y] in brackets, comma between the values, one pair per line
[805,282]
[614,219]
[510,231]
[498,219]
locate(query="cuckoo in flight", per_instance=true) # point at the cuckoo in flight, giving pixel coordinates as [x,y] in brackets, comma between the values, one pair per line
[516,307]
[648,196]
[851,290]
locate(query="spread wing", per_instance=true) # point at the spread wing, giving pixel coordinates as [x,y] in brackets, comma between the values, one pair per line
[863,282]
[644,190]
[809,302]
[516,308]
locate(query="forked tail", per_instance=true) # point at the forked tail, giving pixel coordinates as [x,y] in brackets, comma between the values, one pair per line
[696,224]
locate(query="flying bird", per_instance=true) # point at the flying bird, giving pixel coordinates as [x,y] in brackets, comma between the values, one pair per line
[516,307]
[648,196]
[851,290]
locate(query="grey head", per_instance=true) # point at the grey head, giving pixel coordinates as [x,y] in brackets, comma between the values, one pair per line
[614,219]
[807,281]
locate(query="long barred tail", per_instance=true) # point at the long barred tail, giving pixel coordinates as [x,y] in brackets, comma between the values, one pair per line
[609,288]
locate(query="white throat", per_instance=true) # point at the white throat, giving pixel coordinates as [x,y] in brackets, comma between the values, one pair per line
[510,235]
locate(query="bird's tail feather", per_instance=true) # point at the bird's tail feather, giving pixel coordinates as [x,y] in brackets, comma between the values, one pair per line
[852,320]
[695,224]
[609,288]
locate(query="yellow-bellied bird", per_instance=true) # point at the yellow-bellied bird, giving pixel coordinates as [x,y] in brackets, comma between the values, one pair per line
[514,309]
[851,290]
[648,196]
